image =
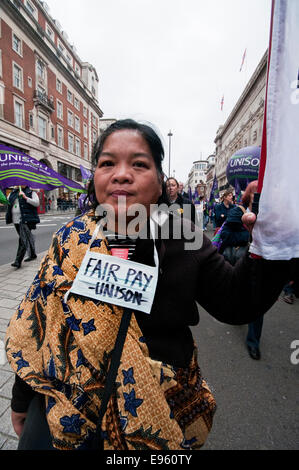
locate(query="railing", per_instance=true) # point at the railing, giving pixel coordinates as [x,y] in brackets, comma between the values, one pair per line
[42,98]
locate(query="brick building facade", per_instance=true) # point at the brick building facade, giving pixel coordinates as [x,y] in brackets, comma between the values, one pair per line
[48,95]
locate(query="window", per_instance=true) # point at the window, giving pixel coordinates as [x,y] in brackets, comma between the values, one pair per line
[60,136]
[60,47]
[68,58]
[30,82]
[85,130]
[77,104]
[78,147]
[59,110]
[94,120]
[40,68]
[16,44]
[77,69]
[31,120]
[58,85]
[19,110]
[49,32]
[70,96]
[52,132]
[84,111]
[31,8]
[70,118]
[94,137]
[86,151]
[42,127]
[17,77]
[70,143]
[77,124]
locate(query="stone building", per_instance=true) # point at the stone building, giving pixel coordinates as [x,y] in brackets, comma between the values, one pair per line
[244,125]
[48,96]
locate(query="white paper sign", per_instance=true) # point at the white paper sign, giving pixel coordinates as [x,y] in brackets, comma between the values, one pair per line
[116,281]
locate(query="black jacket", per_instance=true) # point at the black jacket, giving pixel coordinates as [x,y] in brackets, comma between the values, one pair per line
[221,212]
[29,213]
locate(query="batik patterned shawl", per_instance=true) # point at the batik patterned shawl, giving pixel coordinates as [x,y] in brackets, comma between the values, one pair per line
[63,352]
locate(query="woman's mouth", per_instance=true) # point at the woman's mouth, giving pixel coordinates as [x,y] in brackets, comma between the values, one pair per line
[120,193]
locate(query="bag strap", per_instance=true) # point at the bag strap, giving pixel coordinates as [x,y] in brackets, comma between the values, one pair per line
[112,373]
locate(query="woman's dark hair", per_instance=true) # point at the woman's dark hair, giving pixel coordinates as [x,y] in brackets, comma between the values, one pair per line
[149,135]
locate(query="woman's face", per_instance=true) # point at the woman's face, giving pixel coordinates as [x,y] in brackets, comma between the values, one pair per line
[172,189]
[228,199]
[126,172]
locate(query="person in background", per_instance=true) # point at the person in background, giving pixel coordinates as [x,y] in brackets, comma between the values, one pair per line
[222,209]
[22,212]
[174,197]
[182,192]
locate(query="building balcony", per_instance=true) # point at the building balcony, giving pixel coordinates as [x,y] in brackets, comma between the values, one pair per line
[42,99]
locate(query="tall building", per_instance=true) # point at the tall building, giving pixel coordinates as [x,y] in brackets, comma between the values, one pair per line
[197,174]
[244,125]
[48,96]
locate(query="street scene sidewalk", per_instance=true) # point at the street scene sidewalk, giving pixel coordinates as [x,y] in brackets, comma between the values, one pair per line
[48,213]
[14,284]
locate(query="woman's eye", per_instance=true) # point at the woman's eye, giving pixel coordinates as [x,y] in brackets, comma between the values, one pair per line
[140,164]
[105,163]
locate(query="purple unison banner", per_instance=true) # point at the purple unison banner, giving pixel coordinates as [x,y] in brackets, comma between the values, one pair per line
[17,168]
[243,166]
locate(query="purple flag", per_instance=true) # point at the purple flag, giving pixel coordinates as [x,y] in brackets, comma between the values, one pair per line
[17,168]
[214,192]
[86,174]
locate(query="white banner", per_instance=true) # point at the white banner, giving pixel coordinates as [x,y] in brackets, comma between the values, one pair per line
[116,281]
[276,232]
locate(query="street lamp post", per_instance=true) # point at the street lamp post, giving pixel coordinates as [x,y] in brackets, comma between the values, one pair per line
[169,135]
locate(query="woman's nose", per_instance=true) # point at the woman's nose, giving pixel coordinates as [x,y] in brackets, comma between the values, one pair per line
[122,173]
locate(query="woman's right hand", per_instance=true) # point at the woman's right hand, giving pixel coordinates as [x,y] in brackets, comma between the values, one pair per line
[18,421]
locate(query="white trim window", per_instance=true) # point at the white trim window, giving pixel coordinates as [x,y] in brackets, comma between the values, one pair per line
[70,143]
[77,104]
[85,130]
[50,32]
[84,111]
[19,113]
[17,44]
[70,118]
[58,85]
[17,76]
[40,70]
[60,141]
[70,96]
[94,136]
[85,151]
[59,108]
[60,46]
[77,124]
[31,8]
[42,127]
[77,147]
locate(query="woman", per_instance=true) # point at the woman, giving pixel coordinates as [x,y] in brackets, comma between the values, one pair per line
[222,209]
[186,207]
[60,345]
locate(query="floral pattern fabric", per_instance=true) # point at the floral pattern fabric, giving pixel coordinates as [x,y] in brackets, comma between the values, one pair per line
[63,350]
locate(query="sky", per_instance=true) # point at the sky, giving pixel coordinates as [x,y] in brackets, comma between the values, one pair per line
[169,63]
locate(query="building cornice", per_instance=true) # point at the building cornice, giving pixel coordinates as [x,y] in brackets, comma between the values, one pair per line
[37,38]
